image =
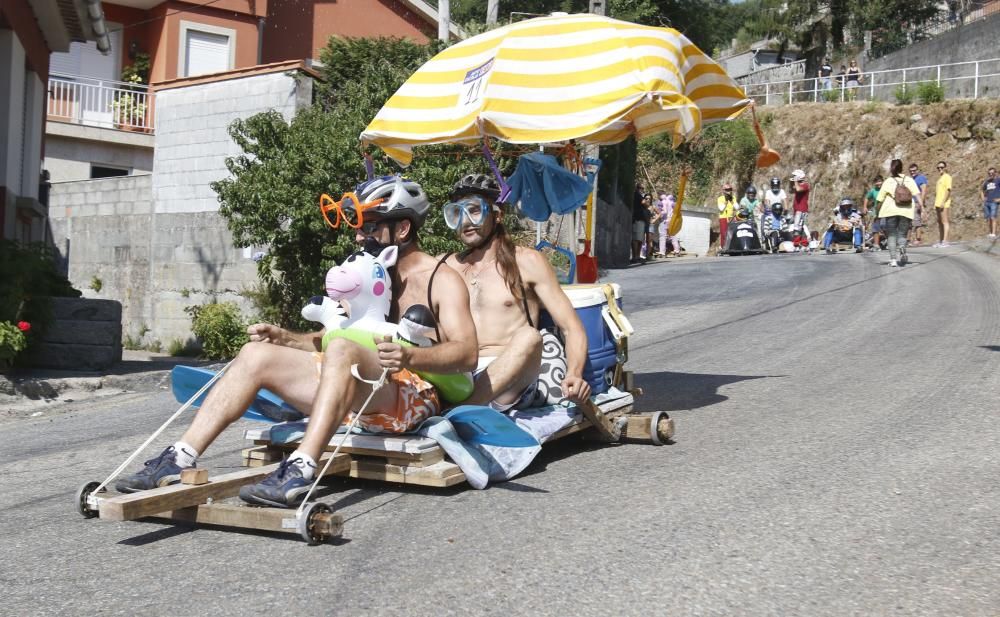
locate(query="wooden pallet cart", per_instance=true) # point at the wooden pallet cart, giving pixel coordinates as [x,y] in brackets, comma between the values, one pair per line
[411,460]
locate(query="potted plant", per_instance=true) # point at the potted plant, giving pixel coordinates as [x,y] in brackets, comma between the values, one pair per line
[129,104]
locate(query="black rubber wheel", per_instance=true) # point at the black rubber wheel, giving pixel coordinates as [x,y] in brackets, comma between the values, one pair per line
[81,500]
[307,523]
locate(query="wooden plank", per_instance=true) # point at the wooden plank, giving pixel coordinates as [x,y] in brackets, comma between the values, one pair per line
[263,453]
[441,474]
[175,497]
[404,444]
[194,476]
[248,517]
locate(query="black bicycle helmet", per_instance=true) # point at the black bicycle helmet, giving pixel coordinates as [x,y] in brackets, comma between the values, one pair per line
[476,184]
[402,199]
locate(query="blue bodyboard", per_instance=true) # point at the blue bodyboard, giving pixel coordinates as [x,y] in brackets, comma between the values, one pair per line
[488,427]
[266,406]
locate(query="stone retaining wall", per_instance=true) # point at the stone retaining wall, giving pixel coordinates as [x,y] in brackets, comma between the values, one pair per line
[84,335]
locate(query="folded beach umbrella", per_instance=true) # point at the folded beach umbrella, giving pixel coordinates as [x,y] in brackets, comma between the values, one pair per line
[585,77]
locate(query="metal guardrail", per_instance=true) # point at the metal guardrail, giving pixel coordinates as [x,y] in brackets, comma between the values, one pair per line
[102,103]
[972,80]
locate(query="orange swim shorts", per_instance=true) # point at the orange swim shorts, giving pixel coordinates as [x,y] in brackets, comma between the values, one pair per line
[416,400]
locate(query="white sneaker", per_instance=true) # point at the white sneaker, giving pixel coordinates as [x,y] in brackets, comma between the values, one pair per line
[937,245]
[892,263]
[991,236]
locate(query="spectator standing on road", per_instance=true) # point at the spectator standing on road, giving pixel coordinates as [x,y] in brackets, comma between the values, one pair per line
[727,207]
[653,208]
[869,210]
[990,194]
[854,79]
[667,205]
[895,210]
[824,74]
[640,218]
[942,202]
[918,205]
[800,201]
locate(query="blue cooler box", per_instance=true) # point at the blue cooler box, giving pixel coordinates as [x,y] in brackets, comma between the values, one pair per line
[589,301]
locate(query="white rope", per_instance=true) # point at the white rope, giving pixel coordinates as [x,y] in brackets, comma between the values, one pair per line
[376,386]
[162,428]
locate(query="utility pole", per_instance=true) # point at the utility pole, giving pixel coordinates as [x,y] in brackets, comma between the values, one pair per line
[597,7]
[492,8]
[444,19]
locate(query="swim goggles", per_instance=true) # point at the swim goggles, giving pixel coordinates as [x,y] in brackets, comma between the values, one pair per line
[472,208]
[349,210]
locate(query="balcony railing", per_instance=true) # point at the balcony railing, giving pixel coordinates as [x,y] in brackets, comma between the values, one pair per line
[94,102]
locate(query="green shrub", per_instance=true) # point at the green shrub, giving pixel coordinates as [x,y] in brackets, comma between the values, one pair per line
[831,96]
[870,107]
[96,284]
[929,92]
[12,342]
[177,347]
[220,327]
[28,278]
[904,96]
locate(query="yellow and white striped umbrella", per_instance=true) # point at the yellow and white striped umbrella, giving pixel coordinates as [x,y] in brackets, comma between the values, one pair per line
[551,79]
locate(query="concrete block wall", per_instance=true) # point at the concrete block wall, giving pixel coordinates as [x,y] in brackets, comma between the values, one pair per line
[192,138]
[157,242]
[84,335]
[968,42]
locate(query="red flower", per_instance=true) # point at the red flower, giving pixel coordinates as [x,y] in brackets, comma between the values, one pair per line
[23,326]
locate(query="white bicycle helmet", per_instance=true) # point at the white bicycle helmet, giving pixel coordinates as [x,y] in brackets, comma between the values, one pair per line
[402,199]
[798,175]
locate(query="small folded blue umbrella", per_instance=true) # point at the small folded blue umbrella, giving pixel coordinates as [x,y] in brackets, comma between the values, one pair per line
[543,187]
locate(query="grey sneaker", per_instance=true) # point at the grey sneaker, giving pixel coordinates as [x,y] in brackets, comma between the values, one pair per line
[282,488]
[160,471]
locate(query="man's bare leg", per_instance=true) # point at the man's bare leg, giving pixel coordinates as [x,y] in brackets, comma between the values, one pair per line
[339,393]
[291,373]
[514,370]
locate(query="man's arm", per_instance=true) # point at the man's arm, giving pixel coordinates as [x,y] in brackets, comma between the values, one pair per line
[268,333]
[459,350]
[537,273]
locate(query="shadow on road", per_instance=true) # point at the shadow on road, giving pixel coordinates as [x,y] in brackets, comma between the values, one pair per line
[669,391]
[990,347]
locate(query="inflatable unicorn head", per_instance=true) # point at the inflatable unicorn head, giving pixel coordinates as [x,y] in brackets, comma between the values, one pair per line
[362,282]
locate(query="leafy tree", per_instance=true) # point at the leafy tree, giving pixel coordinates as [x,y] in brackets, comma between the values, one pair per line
[272,198]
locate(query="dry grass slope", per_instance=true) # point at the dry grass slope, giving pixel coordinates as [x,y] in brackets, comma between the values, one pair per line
[842,146]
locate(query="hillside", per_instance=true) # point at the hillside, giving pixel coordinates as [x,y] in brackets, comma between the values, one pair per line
[843,146]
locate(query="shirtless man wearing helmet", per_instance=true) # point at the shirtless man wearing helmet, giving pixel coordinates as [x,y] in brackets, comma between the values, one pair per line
[508,286]
[320,384]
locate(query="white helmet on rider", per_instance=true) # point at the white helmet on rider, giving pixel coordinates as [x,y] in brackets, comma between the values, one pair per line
[401,199]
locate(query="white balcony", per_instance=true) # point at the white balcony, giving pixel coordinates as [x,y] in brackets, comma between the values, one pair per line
[100,103]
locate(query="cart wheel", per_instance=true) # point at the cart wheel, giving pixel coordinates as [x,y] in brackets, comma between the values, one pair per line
[311,528]
[661,427]
[82,494]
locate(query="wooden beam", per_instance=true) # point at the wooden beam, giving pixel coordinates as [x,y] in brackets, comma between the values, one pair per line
[249,517]
[179,496]
[194,476]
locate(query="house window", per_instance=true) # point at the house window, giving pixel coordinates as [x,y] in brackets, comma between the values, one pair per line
[206,49]
[106,171]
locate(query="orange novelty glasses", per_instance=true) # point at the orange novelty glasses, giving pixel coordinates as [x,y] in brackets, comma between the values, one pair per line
[350,209]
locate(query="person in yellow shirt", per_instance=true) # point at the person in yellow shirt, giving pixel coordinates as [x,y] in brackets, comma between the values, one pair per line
[896,216]
[942,202]
[727,208]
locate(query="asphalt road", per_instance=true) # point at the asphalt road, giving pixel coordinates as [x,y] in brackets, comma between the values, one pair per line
[837,453]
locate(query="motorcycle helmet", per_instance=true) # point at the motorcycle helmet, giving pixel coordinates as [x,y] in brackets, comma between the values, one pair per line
[798,175]
[402,199]
[478,184]
[751,192]
[845,206]
[775,183]
[777,210]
